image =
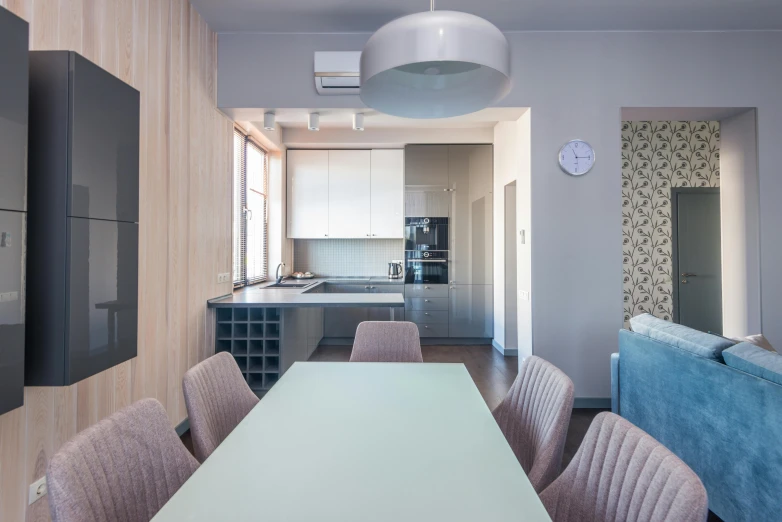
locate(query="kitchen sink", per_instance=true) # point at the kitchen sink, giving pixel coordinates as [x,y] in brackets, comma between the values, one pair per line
[288,285]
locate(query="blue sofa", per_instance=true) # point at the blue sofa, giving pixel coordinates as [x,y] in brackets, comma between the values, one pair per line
[724,423]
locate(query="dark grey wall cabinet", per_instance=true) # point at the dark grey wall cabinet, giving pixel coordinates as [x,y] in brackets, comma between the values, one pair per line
[13,111]
[82,263]
[14,74]
[11,310]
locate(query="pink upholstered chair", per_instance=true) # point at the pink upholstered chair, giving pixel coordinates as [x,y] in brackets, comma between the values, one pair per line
[123,468]
[621,473]
[217,399]
[386,341]
[535,416]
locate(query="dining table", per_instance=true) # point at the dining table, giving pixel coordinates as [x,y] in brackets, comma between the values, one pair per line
[362,442]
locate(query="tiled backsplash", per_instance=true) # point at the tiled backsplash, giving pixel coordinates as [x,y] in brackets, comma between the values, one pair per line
[346,257]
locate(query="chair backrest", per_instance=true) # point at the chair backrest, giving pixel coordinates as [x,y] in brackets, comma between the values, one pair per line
[535,416]
[386,341]
[124,468]
[621,473]
[217,399]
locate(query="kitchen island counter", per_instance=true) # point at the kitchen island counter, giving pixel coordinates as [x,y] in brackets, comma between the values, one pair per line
[314,295]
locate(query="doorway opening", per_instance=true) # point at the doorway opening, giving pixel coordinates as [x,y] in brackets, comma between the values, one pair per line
[690,226]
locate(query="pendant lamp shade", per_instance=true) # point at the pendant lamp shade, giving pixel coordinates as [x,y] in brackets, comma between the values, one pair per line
[435,64]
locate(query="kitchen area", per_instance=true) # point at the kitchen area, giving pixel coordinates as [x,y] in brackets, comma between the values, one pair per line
[380,234]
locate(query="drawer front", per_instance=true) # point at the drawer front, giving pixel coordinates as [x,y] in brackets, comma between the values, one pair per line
[426,305]
[387,289]
[433,330]
[426,290]
[428,317]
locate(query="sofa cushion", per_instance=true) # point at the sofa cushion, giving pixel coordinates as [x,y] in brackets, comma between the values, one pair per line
[699,343]
[753,359]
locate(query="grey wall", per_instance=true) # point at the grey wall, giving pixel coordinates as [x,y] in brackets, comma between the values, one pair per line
[740,227]
[576,226]
[346,257]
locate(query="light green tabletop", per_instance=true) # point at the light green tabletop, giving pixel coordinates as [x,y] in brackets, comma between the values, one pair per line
[363,442]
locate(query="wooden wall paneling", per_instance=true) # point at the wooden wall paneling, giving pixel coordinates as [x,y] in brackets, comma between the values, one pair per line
[44,33]
[140,55]
[13,456]
[178,212]
[39,429]
[90,29]
[70,25]
[166,51]
[123,25]
[194,193]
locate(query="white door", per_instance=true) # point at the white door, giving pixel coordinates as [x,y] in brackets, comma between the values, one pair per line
[308,194]
[388,193]
[349,193]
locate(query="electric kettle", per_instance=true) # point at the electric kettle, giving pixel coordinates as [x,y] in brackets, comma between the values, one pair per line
[395,270]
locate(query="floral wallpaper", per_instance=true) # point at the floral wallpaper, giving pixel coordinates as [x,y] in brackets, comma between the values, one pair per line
[658,155]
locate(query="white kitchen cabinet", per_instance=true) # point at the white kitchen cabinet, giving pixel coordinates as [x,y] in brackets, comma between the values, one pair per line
[387,193]
[308,189]
[349,194]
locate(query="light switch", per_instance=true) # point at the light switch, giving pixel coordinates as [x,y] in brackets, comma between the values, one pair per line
[523,236]
[5,239]
[525,295]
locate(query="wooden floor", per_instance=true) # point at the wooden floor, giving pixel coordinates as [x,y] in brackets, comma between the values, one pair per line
[493,374]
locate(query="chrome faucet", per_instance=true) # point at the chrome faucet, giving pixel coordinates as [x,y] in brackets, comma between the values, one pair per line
[279,277]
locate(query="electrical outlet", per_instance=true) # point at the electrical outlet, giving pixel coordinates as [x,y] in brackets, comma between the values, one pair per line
[224,277]
[37,490]
[525,295]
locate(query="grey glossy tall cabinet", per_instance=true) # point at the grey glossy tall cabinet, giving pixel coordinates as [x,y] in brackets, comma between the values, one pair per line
[83,190]
[13,205]
[457,181]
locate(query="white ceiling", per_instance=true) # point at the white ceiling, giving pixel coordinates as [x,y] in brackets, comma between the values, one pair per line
[343,118]
[335,16]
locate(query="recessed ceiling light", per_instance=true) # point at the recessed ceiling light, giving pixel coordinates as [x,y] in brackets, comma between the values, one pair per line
[358,121]
[313,121]
[435,64]
[268,121]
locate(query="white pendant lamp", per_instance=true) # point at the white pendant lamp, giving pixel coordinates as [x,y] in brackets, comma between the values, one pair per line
[435,64]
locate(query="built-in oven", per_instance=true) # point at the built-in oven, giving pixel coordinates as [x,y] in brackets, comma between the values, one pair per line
[426,233]
[426,266]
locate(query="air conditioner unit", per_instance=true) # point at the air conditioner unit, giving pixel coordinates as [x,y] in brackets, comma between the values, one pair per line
[337,72]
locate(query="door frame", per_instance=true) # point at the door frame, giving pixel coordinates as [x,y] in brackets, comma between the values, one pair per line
[675,191]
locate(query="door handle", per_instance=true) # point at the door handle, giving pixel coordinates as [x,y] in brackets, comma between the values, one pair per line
[687,274]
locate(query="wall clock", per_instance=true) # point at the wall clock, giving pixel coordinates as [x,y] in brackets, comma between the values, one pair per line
[576,157]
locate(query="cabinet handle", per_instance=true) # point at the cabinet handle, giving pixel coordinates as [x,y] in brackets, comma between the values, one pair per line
[426,313]
[425,326]
[453,282]
[426,288]
[372,287]
[366,288]
[374,234]
[325,235]
[426,300]
[367,235]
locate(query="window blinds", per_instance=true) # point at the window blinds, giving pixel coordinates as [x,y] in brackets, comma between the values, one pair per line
[250,225]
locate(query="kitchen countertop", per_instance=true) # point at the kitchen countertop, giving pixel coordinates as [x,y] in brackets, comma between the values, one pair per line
[260,296]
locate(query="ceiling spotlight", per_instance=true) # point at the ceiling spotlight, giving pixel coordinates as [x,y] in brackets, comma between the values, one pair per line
[268,121]
[313,121]
[358,121]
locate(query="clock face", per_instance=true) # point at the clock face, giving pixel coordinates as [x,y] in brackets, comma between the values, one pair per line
[576,157]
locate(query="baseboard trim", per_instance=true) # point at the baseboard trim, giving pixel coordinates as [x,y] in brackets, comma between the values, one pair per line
[592,403]
[504,351]
[183,426]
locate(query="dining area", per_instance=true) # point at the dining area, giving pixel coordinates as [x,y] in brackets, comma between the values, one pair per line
[382,437]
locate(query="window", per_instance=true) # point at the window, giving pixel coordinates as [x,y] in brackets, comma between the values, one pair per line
[250,210]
